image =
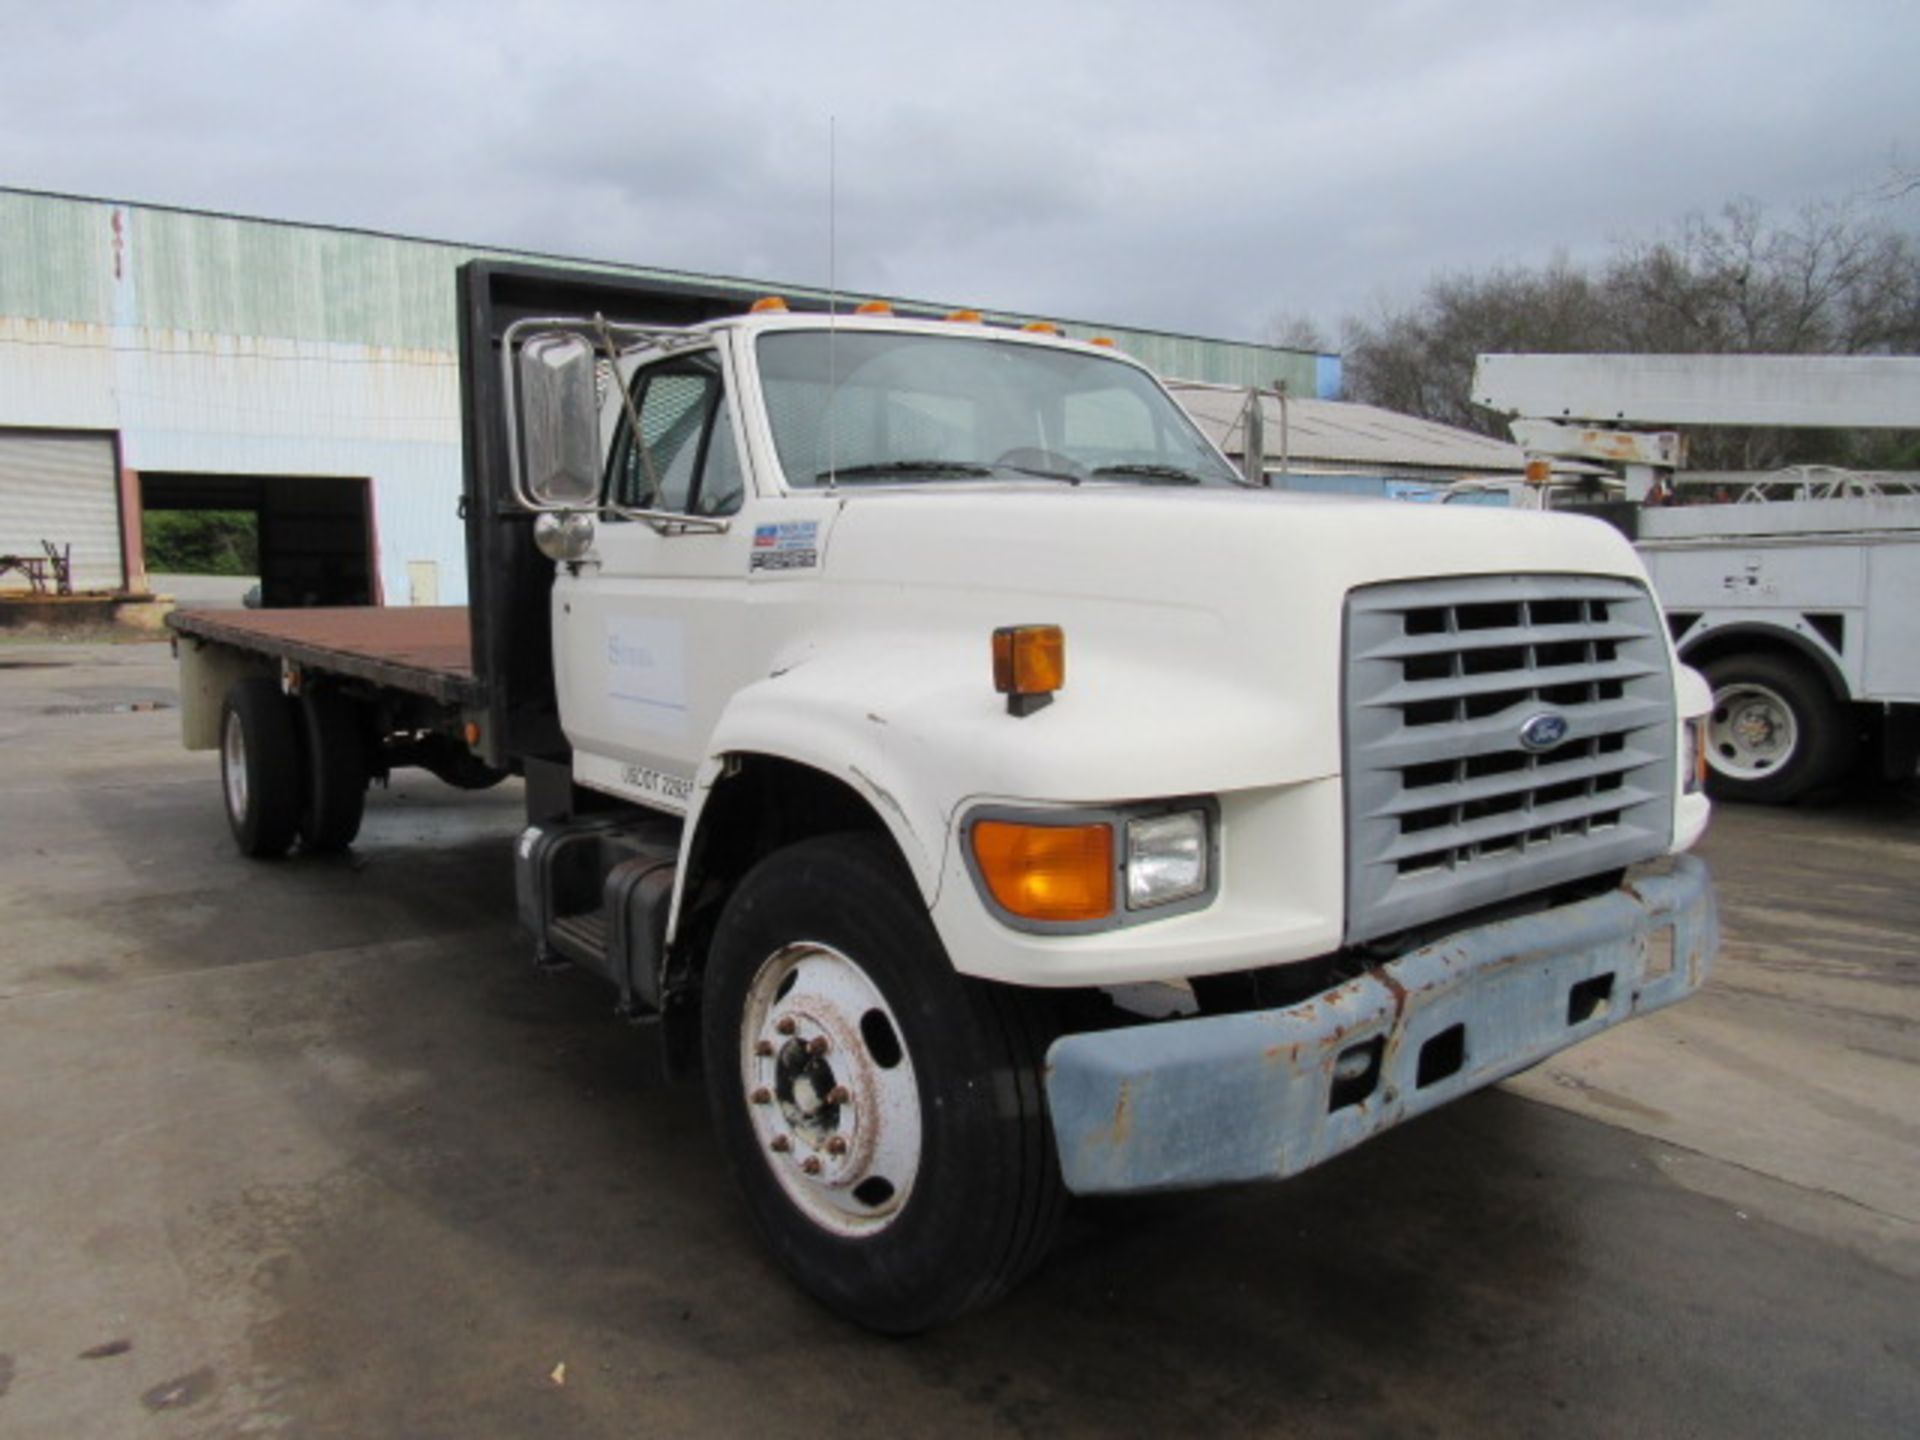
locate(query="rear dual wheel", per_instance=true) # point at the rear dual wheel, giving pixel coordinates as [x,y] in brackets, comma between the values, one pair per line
[290,769]
[882,1115]
[260,768]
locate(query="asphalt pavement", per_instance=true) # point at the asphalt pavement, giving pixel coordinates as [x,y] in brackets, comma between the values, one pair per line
[309,1149]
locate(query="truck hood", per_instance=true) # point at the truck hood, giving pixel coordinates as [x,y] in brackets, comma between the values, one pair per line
[1204,628]
[1221,550]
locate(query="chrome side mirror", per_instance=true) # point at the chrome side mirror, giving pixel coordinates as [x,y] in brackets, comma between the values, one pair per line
[559,421]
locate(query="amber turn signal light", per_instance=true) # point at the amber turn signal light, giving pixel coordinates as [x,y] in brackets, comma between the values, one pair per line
[1052,873]
[1029,664]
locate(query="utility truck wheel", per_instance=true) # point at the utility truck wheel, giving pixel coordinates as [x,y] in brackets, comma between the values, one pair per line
[260,770]
[336,771]
[1774,732]
[883,1116]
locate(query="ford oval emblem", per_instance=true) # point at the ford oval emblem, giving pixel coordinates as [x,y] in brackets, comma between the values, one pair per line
[1543,732]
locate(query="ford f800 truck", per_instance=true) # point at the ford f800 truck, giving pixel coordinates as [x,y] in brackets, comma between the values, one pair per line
[994,796]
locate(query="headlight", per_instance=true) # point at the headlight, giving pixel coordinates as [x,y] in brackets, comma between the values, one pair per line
[1074,871]
[1166,858]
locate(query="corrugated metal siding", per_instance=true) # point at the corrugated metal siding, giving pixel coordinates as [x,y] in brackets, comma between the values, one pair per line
[184,270]
[62,488]
[243,277]
[56,259]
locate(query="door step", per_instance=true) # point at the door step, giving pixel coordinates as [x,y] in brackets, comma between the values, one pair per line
[581,938]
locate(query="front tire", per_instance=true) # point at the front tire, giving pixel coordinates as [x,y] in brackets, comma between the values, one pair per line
[882,1115]
[1774,732]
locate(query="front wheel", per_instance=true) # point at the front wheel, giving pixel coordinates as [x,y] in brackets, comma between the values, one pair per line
[882,1115]
[1774,732]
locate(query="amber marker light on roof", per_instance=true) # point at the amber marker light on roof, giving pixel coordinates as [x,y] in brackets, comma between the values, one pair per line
[873,307]
[1052,873]
[1104,341]
[768,305]
[1029,664]
[965,317]
[1041,327]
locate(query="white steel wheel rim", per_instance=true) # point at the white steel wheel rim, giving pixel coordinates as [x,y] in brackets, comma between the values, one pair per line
[830,1089]
[234,752]
[1752,731]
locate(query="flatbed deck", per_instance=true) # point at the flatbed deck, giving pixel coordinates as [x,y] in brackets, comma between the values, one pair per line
[423,650]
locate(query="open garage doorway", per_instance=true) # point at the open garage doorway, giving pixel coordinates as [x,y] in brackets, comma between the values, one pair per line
[313,534]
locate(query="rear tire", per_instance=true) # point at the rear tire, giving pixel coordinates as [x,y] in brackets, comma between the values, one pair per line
[260,768]
[336,771]
[1774,732]
[883,1116]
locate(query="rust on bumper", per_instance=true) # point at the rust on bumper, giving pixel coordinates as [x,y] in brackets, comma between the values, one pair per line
[1268,1094]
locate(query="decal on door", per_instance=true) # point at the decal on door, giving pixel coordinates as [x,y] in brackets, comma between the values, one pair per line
[789,545]
[647,674]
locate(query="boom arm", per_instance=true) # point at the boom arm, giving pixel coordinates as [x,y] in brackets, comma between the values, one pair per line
[1819,391]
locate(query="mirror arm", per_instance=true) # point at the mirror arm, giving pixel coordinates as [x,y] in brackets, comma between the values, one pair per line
[626,401]
[669,522]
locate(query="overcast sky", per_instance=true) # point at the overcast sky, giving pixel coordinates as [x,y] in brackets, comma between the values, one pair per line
[1191,166]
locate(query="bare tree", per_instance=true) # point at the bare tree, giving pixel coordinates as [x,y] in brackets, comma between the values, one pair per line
[1420,359]
[1293,330]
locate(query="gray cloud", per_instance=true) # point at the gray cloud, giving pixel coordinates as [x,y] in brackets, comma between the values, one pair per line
[1198,167]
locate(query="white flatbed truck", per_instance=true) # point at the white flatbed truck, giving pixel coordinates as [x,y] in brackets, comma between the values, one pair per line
[928,733]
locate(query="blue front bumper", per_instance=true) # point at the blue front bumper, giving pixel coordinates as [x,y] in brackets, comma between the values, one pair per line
[1255,1097]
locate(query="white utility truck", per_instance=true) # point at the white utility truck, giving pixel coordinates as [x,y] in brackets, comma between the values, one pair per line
[1803,612]
[927,730]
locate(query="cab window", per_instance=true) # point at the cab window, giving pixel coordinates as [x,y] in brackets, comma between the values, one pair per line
[689,461]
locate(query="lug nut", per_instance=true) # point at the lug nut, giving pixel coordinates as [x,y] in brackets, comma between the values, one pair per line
[763,1048]
[839,1095]
[811,1164]
[817,1045]
[780,1145]
[836,1144]
[785,1025]
[761,1095]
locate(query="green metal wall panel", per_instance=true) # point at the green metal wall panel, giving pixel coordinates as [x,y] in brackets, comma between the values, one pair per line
[96,261]
[56,258]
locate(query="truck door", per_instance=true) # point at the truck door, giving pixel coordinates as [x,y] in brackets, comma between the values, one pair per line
[651,633]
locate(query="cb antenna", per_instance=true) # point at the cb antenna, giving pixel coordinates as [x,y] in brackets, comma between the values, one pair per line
[833,293]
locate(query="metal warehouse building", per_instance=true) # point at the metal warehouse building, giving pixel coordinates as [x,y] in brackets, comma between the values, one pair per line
[155,358]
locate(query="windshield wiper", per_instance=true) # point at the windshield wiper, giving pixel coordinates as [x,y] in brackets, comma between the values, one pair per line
[1066,475]
[1150,474]
[883,469]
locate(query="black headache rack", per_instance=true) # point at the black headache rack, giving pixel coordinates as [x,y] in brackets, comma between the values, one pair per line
[508,581]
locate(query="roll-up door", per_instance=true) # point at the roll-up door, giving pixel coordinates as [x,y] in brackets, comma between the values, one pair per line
[62,488]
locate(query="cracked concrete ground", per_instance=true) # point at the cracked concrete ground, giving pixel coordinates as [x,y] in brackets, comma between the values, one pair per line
[308,1149]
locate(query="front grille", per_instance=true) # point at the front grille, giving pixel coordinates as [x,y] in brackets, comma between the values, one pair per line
[1447,808]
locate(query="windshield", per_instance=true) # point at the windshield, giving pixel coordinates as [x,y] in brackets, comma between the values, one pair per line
[881,407]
